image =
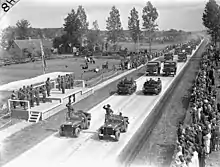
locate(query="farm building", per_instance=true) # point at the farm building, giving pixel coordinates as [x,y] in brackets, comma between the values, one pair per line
[21,48]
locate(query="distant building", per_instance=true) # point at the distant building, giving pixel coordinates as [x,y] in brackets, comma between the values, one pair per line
[18,47]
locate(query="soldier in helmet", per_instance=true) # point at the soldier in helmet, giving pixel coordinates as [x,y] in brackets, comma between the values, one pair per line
[63,85]
[14,97]
[158,80]
[36,94]
[108,110]
[59,82]
[70,110]
[48,86]
[43,91]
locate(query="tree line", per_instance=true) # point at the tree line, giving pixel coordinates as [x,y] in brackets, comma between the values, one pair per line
[211,20]
[75,29]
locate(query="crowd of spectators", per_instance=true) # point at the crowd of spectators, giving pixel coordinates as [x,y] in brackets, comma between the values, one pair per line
[202,135]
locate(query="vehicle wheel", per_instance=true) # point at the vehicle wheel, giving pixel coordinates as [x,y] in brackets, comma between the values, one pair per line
[117,135]
[61,133]
[100,137]
[77,132]
[125,127]
[87,124]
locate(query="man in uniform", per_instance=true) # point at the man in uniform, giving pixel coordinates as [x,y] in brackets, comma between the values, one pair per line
[108,110]
[27,97]
[13,97]
[37,96]
[59,82]
[159,81]
[63,85]
[71,81]
[32,96]
[70,110]
[48,86]
[43,91]
[20,96]
[67,81]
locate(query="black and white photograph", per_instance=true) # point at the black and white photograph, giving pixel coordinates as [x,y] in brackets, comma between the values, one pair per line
[97,83]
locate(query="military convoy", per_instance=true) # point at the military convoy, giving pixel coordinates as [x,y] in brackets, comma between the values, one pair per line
[75,123]
[170,68]
[114,125]
[126,86]
[152,87]
[182,56]
[153,68]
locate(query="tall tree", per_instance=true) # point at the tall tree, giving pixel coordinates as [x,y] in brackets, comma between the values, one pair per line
[114,26]
[81,14]
[23,27]
[149,17]
[72,27]
[211,19]
[134,25]
[93,36]
[7,36]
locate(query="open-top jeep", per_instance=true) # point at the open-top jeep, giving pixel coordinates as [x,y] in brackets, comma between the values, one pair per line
[75,123]
[113,126]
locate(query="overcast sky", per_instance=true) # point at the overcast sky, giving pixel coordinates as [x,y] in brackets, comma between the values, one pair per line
[177,14]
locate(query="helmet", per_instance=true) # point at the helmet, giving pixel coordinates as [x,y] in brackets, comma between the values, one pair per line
[108,106]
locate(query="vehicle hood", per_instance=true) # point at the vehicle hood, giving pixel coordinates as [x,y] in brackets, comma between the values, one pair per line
[73,123]
[111,125]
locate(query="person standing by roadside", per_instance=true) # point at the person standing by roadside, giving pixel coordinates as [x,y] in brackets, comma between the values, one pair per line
[59,82]
[63,85]
[48,86]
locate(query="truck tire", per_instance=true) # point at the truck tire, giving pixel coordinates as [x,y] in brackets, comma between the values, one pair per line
[100,137]
[76,132]
[117,135]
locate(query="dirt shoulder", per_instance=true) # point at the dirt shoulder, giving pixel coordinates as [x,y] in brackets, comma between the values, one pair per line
[30,136]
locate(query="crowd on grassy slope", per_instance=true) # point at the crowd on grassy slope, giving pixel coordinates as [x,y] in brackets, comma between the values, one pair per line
[201,136]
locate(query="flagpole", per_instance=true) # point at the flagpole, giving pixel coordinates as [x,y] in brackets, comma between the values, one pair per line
[42,57]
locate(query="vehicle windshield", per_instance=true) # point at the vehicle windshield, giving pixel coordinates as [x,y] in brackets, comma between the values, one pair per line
[152,64]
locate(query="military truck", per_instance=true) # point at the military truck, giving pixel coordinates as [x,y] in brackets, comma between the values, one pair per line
[113,126]
[126,86]
[75,124]
[182,56]
[177,50]
[152,87]
[153,68]
[170,68]
[188,50]
[168,56]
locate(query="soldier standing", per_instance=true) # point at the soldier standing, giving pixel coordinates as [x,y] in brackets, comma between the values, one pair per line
[63,85]
[48,86]
[13,97]
[43,91]
[20,96]
[59,82]
[71,81]
[67,81]
[31,97]
[37,96]
[70,110]
[28,98]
